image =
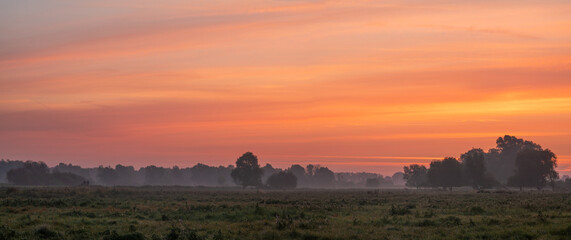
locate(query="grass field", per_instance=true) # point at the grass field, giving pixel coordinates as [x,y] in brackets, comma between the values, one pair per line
[202,213]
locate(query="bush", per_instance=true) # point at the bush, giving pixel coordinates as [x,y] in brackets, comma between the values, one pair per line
[43,232]
[182,234]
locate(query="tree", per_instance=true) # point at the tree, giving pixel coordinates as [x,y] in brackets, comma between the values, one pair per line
[107,176]
[69,168]
[268,171]
[310,170]
[204,175]
[534,168]
[282,180]
[446,173]
[31,173]
[501,162]
[156,175]
[126,175]
[475,173]
[7,165]
[323,177]
[299,172]
[415,176]
[38,173]
[247,171]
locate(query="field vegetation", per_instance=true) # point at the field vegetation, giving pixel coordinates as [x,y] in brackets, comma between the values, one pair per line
[233,213]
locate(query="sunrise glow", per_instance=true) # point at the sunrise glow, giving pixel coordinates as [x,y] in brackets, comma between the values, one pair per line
[352,85]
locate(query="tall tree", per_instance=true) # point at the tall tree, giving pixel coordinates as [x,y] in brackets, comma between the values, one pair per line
[299,173]
[534,168]
[502,160]
[446,173]
[247,171]
[475,173]
[415,175]
[323,177]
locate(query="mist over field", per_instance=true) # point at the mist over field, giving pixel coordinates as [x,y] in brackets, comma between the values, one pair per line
[514,162]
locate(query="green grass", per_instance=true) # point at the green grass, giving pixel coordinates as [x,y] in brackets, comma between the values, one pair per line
[201,213]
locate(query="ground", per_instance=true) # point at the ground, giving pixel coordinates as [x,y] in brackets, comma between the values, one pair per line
[212,213]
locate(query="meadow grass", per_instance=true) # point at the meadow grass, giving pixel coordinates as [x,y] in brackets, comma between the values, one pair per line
[217,213]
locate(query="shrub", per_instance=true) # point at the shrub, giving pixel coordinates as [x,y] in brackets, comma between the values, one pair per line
[43,232]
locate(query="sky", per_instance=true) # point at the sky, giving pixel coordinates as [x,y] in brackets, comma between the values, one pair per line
[351,85]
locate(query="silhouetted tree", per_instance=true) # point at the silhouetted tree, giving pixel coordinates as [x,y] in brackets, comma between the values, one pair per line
[268,171]
[475,174]
[177,176]
[501,163]
[126,175]
[107,176]
[282,180]
[157,175]
[247,171]
[446,173]
[323,177]
[534,168]
[203,175]
[38,173]
[415,176]
[7,165]
[31,173]
[69,168]
[310,170]
[492,160]
[299,173]
[224,175]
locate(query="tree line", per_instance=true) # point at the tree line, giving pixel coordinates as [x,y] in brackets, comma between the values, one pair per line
[310,176]
[514,162]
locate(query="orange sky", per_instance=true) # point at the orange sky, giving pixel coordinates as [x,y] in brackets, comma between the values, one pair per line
[352,85]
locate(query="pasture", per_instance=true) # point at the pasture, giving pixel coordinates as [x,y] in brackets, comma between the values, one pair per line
[217,213]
